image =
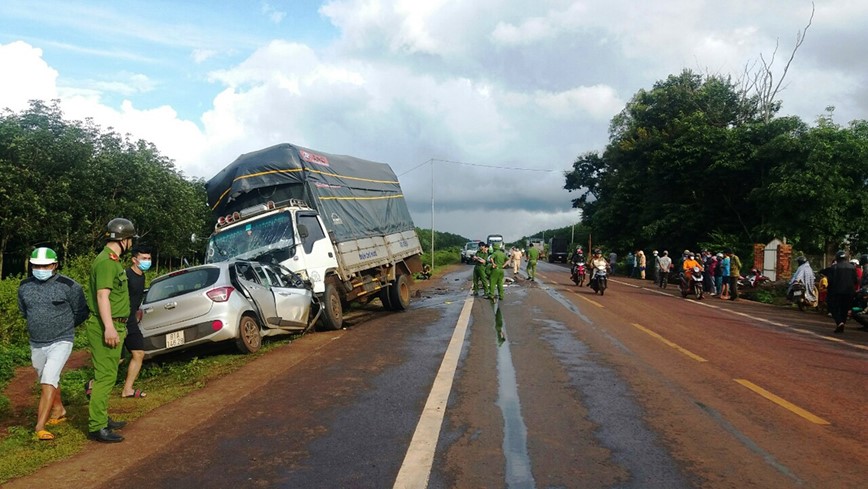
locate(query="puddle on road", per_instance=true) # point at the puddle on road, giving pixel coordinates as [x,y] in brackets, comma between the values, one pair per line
[518,470]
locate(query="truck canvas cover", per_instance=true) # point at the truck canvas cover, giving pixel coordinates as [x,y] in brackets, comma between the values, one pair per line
[355,198]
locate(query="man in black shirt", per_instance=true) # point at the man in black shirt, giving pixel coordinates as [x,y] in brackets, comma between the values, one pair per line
[134,342]
[843,283]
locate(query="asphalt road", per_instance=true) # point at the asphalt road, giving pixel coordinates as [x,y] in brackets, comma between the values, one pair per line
[551,387]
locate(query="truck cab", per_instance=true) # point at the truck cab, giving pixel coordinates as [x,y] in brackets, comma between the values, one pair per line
[293,236]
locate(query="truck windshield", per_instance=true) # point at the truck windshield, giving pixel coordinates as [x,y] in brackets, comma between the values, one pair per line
[253,239]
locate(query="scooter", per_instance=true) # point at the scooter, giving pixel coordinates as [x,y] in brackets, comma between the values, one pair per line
[577,274]
[753,280]
[798,295]
[599,281]
[859,312]
[693,285]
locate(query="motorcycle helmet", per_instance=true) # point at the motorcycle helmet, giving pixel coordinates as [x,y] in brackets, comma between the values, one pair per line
[598,251]
[119,229]
[854,261]
[43,256]
[654,252]
[841,255]
[863,260]
[801,260]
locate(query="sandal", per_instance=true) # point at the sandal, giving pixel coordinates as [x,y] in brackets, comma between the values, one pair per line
[43,435]
[56,421]
[88,388]
[138,394]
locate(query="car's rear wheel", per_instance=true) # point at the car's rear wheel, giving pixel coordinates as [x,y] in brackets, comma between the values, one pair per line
[332,315]
[249,338]
[399,293]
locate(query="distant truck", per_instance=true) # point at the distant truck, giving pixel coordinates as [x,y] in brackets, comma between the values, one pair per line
[469,251]
[338,221]
[494,238]
[558,250]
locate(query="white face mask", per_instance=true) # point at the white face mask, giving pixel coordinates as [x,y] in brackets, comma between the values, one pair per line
[43,274]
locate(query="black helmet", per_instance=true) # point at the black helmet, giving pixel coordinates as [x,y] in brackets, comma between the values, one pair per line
[841,255]
[119,229]
[863,260]
[801,260]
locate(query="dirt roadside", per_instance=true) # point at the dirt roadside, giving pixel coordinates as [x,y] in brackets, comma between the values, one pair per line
[155,432]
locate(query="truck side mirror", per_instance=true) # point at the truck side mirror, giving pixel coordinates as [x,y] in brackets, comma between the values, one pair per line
[302,231]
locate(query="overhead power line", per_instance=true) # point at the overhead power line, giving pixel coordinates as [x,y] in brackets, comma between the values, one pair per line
[499,167]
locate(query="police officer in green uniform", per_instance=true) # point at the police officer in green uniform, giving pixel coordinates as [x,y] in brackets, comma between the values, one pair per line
[532,257]
[497,260]
[108,299]
[480,269]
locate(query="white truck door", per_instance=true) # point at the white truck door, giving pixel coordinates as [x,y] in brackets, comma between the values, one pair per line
[316,254]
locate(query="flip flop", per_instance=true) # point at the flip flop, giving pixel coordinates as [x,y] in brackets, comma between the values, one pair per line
[88,388]
[43,435]
[56,421]
[138,394]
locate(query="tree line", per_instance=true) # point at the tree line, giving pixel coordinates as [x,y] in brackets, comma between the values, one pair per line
[695,160]
[61,181]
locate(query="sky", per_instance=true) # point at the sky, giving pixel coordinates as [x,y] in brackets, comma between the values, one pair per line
[478,106]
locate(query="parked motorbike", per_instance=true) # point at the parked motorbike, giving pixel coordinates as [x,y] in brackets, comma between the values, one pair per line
[798,295]
[693,284]
[859,312]
[577,274]
[599,282]
[753,280]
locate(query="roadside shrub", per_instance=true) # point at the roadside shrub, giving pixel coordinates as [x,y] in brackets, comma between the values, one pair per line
[13,329]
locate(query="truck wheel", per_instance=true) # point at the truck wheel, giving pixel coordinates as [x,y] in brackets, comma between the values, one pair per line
[249,339]
[385,298]
[399,294]
[332,313]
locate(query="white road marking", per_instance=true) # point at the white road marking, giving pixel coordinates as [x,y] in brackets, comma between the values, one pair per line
[416,468]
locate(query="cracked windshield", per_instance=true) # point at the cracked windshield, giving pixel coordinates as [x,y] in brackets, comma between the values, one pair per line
[252,240]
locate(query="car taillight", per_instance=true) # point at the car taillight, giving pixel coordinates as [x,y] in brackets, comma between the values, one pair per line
[220,294]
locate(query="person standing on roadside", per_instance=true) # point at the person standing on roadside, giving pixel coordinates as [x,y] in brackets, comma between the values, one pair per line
[53,305]
[641,263]
[532,257]
[734,271]
[664,265]
[498,262]
[135,342]
[613,261]
[480,269]
[109,302]
[843,283]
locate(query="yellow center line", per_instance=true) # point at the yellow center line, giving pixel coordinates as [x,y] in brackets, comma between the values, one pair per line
[673,345]
[782,402]
[589,300]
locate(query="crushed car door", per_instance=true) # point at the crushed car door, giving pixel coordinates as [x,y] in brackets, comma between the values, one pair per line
[258,285]
[291,298]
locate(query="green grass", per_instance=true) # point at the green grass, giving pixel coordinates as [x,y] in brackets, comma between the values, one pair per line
[164,379]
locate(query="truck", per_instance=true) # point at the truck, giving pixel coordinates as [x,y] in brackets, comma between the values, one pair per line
[558,249]
[494,238]
[469,251]
[338,221]
[538,244]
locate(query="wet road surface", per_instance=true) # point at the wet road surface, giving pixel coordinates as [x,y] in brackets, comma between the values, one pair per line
[551,387]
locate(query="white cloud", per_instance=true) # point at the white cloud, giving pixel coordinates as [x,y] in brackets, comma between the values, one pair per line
[26,76]
[201,55]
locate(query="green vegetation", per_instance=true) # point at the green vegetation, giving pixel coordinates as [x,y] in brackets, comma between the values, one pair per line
[697,159]
[171,378]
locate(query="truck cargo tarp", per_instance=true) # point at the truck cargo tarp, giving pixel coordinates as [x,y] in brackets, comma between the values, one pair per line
[356,198]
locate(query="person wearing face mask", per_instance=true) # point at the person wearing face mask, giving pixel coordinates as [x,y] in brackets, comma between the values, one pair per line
[53,305]
[109,301]
[134,342]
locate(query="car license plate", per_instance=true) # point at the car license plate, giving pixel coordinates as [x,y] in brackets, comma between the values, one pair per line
[175,339]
